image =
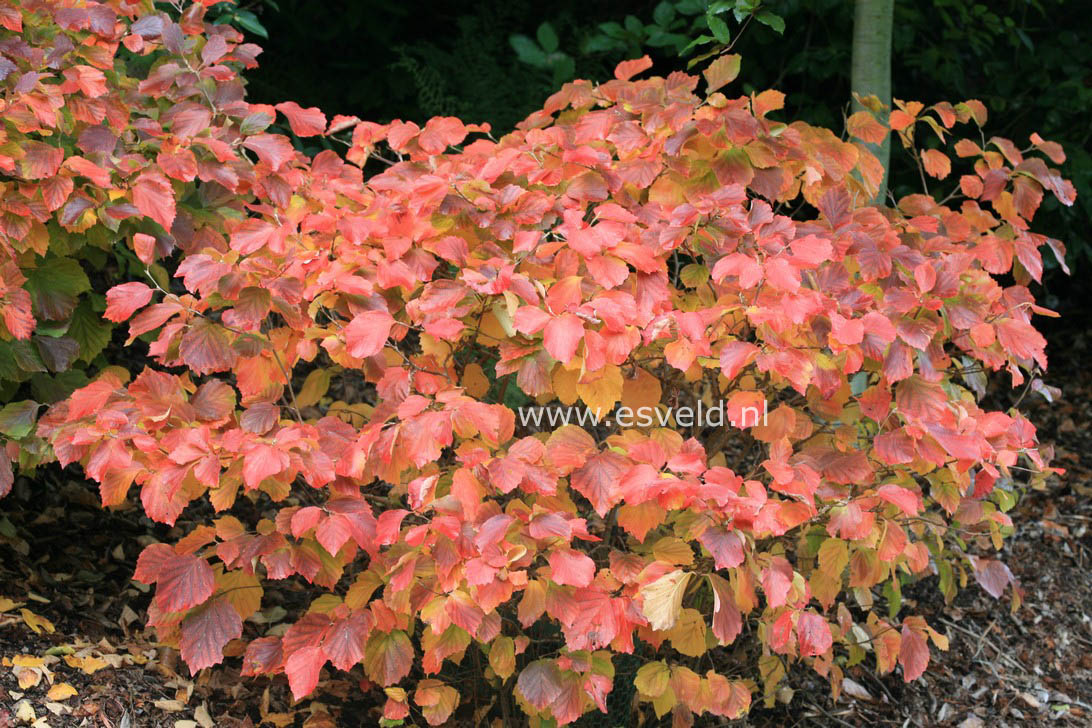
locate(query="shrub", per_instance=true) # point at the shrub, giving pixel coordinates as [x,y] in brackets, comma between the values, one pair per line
[338,355]
[85,155]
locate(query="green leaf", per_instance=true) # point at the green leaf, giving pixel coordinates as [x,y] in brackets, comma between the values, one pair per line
[700,40]
[664,14]
[17,419]
[54,287]
[613,30]
[774,21]
[249,21]
[547,38]
[90,330]
[527,51]
[53,388]
[719,29]
[564,68]
[255,123]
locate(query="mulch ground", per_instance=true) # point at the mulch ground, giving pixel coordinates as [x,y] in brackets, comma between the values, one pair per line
[73,651]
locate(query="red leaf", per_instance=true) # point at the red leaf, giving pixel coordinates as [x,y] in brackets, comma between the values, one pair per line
[263,656]
[150,561]
[571,567]
[847,332]
[598,480]
[154,197]
[936,163]
[7,477]
[344,643]
[626,70]
[1020,339]
[921,399]
[777,580]
[734,356]
[727,621]
[304,122]
[908,501]
[367,334]
[205,632]
[569,447]
[251,235]
[721,71]
[913,654]
[123,300]
[302,670]
[183,582]
[725,546]
[440,133]
[40,160]
[205,347]
[563,334]
[17,314]
[334,532]
[813,635]
[388,525]
[273,149]
[388,657]
[540,683]
[993,576]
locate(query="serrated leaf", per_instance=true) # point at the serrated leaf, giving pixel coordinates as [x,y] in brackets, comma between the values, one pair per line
[662,600]
[54,287]
[205,632]
[90,331]
[17,419]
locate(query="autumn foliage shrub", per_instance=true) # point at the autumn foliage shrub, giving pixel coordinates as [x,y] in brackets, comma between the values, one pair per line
[342,340]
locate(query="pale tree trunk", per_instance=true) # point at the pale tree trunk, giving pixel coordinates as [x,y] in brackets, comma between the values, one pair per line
[871,66]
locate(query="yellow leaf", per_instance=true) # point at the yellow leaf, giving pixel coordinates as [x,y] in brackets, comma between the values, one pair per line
[244,591]
[474,380]
[89,665]
[652,679]
[7,605]
[639,519]
[37,624]
[833,557]
[27,661]
[600,390]
[325,604]
[564,383]
[502,657]
[491,331]
[642,391]
[397,694]
[61,691]
[360,592]
[663,599]
[674,551]
[688,634]
[314,388]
